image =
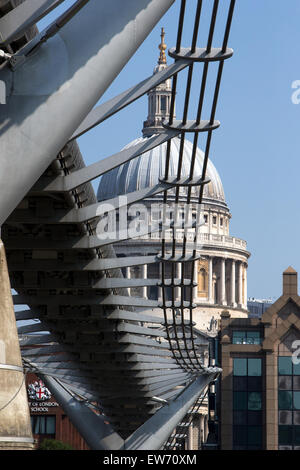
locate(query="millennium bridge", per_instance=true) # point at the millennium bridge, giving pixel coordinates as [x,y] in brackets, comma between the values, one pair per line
[125,377]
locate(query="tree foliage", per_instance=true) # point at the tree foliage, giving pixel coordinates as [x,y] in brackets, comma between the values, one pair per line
[53,444]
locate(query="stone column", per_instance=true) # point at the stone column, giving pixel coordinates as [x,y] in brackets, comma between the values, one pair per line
[210,224]
[245,287]
[215,290]
[210,281]
[201,430]
[178,290]
[15,428]
[232,284]
[205,428]
[128,276]
[223,283]
[145,276]
[160,279]
[196,431]
[195,289]
[190,437]
[240,293]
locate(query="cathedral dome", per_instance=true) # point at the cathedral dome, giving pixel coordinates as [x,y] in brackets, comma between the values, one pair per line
[146,170]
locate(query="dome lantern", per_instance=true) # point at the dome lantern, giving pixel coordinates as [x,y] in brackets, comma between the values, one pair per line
[162,47]
[159,99]
[146,170]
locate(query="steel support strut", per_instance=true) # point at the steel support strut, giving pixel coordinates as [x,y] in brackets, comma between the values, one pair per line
[154,433]
[99,434]
[65,76]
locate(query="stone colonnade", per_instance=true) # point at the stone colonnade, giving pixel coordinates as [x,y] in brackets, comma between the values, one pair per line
[221,281]
[197,433]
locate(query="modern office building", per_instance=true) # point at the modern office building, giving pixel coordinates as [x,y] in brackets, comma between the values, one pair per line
[259,400]
[257,307]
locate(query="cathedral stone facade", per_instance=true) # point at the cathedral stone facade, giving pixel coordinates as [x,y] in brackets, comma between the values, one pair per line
[222,270]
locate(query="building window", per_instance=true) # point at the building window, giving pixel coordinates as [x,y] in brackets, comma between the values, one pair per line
[288,404]
[153,293]
[221,222]
[214,220]
[43,424]
[205,218]
[247,403]
[155,214]
[163,104]
[202,280]
[246,337]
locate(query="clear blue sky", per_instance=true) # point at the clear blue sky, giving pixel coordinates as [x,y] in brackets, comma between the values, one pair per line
[256,149]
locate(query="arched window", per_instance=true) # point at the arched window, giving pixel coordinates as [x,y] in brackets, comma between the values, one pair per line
[202,282]
[163,104]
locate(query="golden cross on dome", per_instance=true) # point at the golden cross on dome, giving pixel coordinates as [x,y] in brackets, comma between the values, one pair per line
[162,47]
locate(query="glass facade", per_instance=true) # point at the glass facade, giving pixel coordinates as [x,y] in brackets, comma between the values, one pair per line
[288,404]
[247,404]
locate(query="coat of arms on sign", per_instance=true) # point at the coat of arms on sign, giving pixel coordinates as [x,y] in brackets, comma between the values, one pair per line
[38,391]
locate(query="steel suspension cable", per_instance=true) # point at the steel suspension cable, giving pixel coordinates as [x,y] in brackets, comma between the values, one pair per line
[181,283]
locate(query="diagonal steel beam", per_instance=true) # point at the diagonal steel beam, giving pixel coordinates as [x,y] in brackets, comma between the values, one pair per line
[93,171]
[82,214]
[109,108]
[114,283]
[98,434]
[65,76]
[16,21]
[101,264]
[85,300]
[154,433]
[84,242]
